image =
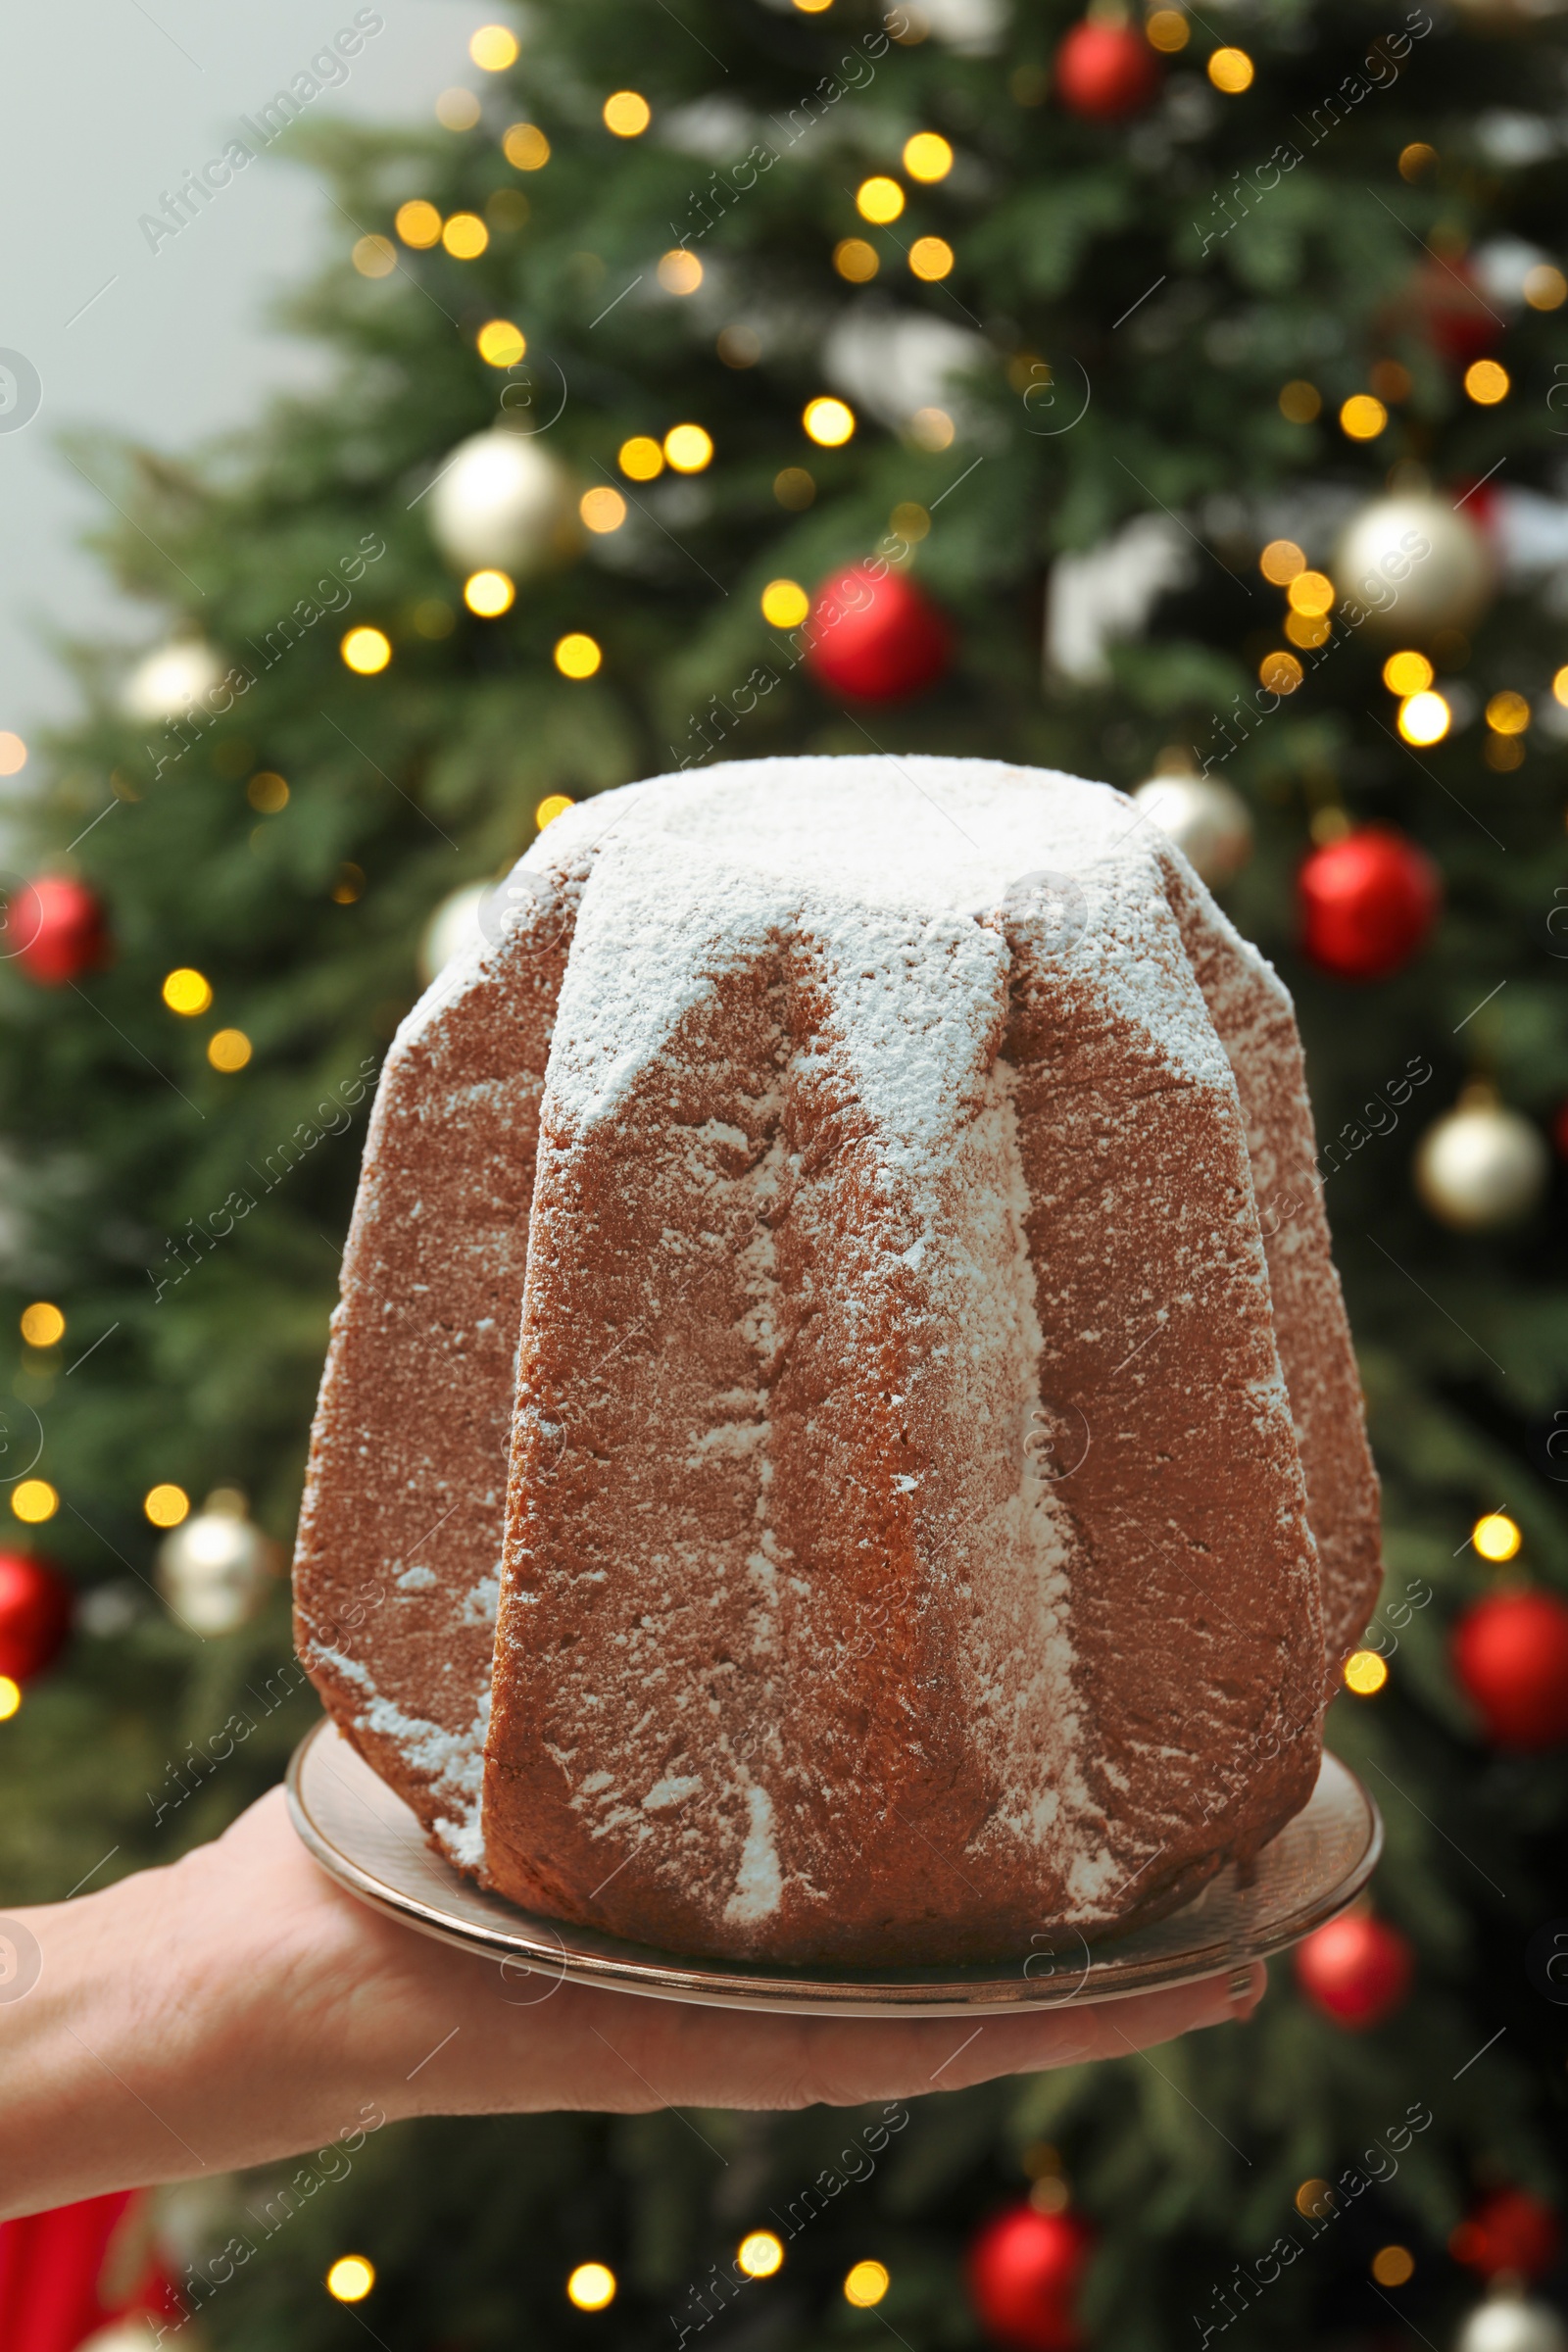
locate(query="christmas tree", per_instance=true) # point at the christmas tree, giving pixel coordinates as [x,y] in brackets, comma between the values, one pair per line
[1161,402]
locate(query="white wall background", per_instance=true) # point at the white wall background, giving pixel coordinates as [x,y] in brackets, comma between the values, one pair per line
[102,105]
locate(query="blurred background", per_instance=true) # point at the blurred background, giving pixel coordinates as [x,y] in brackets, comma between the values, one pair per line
[416,420]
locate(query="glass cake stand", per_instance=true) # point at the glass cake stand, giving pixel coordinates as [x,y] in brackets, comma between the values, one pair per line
[366,1838]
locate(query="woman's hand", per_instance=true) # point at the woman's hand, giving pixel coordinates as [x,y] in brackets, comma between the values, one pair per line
[239,2007]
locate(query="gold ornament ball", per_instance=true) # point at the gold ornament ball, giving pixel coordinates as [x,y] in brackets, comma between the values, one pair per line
[216,1569]
[1208,822]
[1482,1166]
[1508,2323]
[1406,592]
[503,504]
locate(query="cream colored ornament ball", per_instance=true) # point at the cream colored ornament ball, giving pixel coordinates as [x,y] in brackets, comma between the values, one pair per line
[504,503]
[1481,1165]
[1415,565]
[217,1568]
[1508,2323]
[1209,824]
[166,683]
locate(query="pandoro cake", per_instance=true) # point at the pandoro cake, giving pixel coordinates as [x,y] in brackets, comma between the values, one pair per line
[828,1451]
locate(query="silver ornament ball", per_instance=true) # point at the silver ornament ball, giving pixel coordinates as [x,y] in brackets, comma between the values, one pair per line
[1209,824]
[216,1569]
[1507,2323]
[1481,1165]
[1407,593]
[503,501]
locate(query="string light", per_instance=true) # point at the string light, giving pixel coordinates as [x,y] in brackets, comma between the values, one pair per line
[1167,30]
[1280,672]
[1508,712]
[1393,2266]
[166,1505]
[10,1697]
[1415,158]
[760,2254]
[42,1324]
[418,224]
[488,594]
[34,1502]
[641,459]
[627,114]
[493,48]
[1315,2200]
[465,236]
[1313,593]
[366,650]
[1308,629]
[909,520]
[1545,288]
[186,990]
[1280,562]
[553,804]
[931,428]
[1301,402]
[879,199]
[829,422]
[927,155]
[457,109]
[866,2285]
[525,147]
[591,2286]
[12,754]
[680,271]
[1424,719]
[350,2278]
[577,655]
[785,604]
[856,260]
[1230,71]
[602,508]
[1362,417]
[1559,687]
[688,448]
[1365,1673]
[269,792]
[1407,673]
[229,1049]
[931,257]
[794,489]
[500,344]
[374,257]
[1487,383]
[1497,1537]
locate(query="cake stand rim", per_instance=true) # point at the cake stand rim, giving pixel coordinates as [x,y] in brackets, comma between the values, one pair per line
[608,1963]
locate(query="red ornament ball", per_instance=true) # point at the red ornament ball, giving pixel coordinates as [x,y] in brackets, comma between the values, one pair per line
[1367,903]
[1510,1657]
[1105,71]
[1024,2271]
[35,1616]
[1509,2231]
[876,640]
[1357,1969]
[55,929]
[1451,310]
